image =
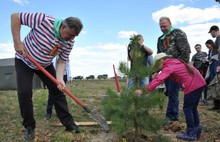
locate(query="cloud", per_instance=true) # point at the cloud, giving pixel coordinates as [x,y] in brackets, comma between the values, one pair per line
[126,34]
[7,50]
[97,59]
[180,14]
[192,21]
[21,2]
[83,32]
[198,34]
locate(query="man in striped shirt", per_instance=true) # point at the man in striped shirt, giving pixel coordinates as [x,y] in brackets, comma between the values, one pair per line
[47,38]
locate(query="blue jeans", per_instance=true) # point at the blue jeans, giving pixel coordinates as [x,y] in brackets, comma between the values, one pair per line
[190,104]
[172,91]
[143,82]
[212,70]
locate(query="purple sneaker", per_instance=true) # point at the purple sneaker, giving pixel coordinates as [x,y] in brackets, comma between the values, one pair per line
[188,135]
[199,131]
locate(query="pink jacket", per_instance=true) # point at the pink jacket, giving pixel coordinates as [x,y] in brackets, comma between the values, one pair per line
[175,70]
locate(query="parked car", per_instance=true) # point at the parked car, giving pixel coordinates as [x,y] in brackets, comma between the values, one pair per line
[104,76]
[78,77]
[90,77]
[119,77]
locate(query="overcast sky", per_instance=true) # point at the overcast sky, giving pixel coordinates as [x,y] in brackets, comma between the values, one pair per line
[108,24]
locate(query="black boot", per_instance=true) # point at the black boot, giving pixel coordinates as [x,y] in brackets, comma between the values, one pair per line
[29,133]
[47,116]
[73,127]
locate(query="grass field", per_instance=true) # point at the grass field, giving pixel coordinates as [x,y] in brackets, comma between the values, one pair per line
[90,92]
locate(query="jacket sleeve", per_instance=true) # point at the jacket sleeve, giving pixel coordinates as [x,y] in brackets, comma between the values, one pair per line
[159,45]
[217,44]
[183,46]
[160,78]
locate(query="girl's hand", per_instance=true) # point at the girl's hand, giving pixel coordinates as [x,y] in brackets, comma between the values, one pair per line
[154,75]
[138,92]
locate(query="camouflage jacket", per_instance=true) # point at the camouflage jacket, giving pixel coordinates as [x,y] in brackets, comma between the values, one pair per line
[175,44]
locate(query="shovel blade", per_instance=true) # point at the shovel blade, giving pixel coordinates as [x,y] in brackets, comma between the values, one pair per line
[99,119]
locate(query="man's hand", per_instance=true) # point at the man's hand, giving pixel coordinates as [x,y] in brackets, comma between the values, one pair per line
[15,29]
[20,48]
[59,73]
[62,85]
[128,59]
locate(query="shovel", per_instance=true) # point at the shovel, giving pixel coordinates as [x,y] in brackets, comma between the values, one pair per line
[93,113]
[116,80]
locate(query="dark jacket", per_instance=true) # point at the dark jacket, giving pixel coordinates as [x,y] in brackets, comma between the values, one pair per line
[175,44]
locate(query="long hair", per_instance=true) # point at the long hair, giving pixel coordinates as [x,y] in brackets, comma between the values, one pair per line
[188,68]
[210,42]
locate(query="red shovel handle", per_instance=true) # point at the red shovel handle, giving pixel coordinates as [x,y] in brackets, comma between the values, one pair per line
[55,81]
[116,80]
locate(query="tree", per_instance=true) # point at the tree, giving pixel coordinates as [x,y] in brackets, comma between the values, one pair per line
[130,114]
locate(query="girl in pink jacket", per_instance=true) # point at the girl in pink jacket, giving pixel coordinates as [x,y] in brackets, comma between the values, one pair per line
[192,83]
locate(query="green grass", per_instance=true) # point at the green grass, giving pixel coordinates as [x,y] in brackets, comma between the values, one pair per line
[88,91]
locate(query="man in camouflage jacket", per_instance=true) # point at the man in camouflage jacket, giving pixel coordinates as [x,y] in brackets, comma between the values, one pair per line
[173,42]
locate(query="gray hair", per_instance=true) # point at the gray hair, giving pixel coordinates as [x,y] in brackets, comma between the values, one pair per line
[73,23]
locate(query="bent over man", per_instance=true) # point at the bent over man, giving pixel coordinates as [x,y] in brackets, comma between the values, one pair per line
[47,38]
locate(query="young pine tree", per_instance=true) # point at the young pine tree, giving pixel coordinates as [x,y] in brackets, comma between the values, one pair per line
[132,115]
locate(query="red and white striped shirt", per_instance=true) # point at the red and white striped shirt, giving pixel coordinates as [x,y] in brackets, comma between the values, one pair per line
[41,40]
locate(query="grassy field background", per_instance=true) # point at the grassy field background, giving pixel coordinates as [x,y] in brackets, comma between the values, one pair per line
[90,92]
